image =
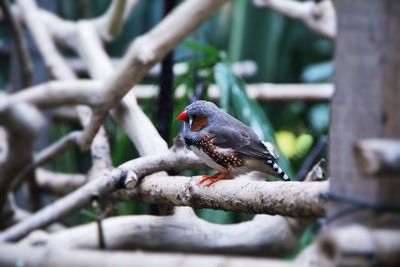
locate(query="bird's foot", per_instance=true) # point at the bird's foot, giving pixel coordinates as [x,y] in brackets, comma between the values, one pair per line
[213,178]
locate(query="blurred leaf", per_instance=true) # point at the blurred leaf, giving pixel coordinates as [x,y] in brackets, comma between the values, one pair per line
[234,100]
[205,49]
[319,72]
[125,208]
[237,30]
[319,118]
[303,145]
[287,142]
[67,162]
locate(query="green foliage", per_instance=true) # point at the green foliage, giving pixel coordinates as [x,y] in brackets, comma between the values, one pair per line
[294,146]
[318,72]
[66,162]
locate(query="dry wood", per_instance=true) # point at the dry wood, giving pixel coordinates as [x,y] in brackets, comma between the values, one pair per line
[22,123]
[293,199]
[149,49]
[297,199]
[319,16]
[366,103]
[60,70]
[265,235]
[12,255]
[378,157]
[126,176]
[355,245]
[87,92]
[110,24]
[58,183]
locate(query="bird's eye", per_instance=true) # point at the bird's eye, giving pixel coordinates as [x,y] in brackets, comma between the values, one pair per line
[191,121]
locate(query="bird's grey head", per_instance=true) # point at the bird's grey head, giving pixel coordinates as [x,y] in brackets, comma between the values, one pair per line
[201,108]
[197,117]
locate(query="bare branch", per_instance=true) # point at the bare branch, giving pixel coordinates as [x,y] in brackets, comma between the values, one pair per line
[110,24]
[355,245]
[58,183]
[293,199]
[149,49]
[246,68]
[317,173]
[265,235]
[64,114]
[59,68]
[266,92]
[101,187]
[12,255]
[319,16]
[299,198]
[378,157]
[135,123]
[57,93]
[87,92]
[53,59]
[22,123]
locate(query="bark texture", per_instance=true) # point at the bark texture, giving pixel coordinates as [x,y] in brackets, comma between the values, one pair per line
[366,102]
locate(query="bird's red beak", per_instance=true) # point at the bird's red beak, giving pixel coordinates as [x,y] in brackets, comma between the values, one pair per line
[183,116]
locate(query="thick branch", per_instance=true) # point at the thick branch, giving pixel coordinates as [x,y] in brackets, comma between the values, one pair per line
[265,235]
[355,245]
[12,255]
[290,199]
[319,16]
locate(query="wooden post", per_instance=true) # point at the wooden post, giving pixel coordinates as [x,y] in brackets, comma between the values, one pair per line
[366,103]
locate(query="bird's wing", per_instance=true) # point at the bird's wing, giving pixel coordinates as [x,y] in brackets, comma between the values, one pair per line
[244,142]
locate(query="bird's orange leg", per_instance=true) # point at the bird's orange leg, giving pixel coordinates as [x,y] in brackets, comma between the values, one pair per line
[214,178]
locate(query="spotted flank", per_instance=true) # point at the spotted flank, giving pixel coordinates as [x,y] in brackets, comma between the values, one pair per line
[277,170]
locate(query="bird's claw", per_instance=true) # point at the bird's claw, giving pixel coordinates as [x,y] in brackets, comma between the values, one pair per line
[214,178]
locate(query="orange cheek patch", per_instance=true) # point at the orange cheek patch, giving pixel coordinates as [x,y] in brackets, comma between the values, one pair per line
[199,123]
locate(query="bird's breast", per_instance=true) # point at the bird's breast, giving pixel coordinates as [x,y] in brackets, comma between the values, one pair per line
[220,159]
[207,159]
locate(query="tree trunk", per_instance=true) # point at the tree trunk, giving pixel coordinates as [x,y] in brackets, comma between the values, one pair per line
[366,103]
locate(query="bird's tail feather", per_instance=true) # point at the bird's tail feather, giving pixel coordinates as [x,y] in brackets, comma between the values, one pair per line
[275,167]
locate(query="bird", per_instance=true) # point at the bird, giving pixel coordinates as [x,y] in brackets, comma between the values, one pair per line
[226,144]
